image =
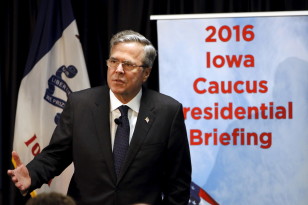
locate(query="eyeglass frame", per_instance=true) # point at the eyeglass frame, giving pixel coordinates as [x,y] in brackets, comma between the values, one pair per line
[124,64]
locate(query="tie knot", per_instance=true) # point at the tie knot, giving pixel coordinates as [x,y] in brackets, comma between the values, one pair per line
[123,109]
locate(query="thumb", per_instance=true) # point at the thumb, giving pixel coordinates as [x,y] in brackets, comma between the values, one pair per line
[16,159]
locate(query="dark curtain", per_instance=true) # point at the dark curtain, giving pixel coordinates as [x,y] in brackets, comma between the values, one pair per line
[97,21]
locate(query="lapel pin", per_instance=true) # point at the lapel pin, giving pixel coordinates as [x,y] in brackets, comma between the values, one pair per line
[147,119]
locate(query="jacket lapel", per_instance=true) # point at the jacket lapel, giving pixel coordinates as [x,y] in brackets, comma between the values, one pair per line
[146,117]
[102,123]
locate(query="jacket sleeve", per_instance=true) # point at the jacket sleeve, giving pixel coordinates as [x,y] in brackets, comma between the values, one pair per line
[55,157]
[178,163]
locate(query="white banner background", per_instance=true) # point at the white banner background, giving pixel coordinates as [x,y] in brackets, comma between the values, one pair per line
[270,171]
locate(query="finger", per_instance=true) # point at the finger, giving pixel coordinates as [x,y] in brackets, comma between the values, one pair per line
[10,172]
[14,179]
[18,185]
[16,158]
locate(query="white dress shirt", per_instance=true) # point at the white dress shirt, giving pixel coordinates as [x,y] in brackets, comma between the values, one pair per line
[134,106]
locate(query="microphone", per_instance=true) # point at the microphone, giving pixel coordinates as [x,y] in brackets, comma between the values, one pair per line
[118,121]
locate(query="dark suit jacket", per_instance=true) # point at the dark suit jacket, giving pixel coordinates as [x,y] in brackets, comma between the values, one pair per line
[157,169]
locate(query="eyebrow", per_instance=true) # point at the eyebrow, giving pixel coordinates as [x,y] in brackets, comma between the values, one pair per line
[126,61]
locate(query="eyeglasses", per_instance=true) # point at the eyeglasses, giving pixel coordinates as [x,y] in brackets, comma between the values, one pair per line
[127,66]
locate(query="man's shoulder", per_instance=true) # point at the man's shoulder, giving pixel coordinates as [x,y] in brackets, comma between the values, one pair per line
[91,93]
[157,97]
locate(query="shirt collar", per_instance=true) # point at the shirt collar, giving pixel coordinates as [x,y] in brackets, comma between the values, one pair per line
[134,104]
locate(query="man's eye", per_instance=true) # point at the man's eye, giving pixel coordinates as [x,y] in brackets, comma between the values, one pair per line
[128,64]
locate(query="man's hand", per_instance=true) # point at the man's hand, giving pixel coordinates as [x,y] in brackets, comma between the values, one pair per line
[20,175]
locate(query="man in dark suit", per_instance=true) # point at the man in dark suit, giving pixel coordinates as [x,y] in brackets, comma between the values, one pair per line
[154,169]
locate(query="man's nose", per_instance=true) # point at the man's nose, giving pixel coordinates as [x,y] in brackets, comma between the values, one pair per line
[120,68]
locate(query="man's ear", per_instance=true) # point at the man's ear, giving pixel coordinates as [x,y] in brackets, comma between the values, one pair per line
[146,74]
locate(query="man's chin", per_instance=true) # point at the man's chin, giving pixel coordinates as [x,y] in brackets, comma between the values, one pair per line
[117,90]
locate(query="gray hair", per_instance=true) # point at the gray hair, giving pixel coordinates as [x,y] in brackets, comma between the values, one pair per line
[132,36]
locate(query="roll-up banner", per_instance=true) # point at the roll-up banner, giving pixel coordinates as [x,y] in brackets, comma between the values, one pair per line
[243,81]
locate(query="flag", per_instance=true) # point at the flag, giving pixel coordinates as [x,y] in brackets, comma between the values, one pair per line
[55,67]
[199,196]
[1,132]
